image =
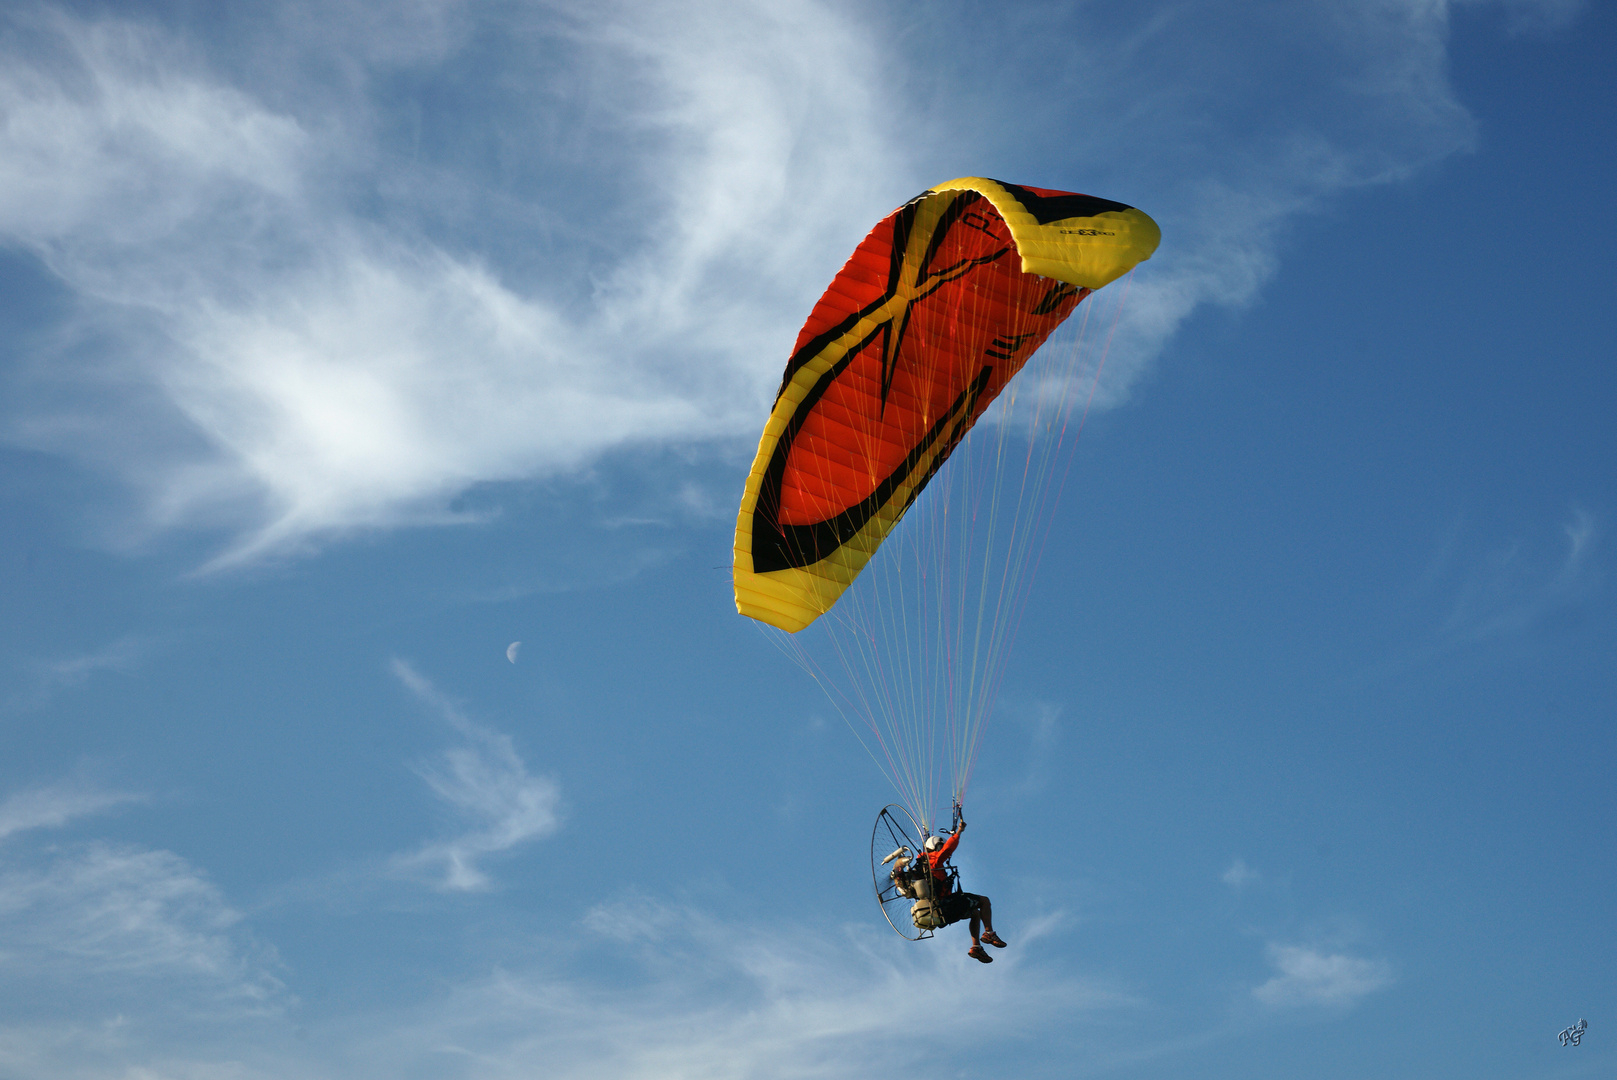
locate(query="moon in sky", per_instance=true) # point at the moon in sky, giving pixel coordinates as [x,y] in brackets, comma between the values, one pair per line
[511,651]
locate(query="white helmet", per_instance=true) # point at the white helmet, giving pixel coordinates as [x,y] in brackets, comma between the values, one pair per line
[934,842]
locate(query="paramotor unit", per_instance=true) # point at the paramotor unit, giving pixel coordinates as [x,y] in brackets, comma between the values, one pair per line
[903,881]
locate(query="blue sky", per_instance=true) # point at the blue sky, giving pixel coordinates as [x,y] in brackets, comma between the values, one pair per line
[346,345]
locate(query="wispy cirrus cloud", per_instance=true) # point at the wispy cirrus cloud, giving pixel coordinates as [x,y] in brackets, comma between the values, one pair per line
[51,806]
[107,918]
[1515,586]
[722,999]
[103,917]
[487,786]
[313,302]
[55,674]
[341,368]
[1534,16]
[1306,976]
[121,655]
[1239,875]
[804,1008]
[709,998]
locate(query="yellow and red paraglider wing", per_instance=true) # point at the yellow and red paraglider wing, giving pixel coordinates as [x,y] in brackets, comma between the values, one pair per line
[937,309]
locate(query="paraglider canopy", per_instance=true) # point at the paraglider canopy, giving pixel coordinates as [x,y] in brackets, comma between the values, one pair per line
[936,310]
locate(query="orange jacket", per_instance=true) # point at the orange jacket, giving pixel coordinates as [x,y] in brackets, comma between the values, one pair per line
[936,859]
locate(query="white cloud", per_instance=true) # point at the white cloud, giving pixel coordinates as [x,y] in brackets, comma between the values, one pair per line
[65,672]
[631,917]
[1046,732]
[343,372]
[1230,141]
[703,998]
[54,805]
[1309,977]
[109,917]
[488,787]
[113,138]
[122,655]
[1580,535]
[1239,875]
[1535,16]
[315,307]
[1512,589]
[720,1000]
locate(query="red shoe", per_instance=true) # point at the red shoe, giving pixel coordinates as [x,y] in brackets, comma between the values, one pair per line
[994,939]
[977,952]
